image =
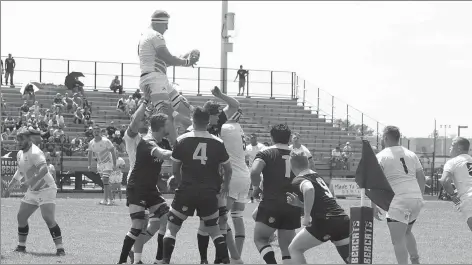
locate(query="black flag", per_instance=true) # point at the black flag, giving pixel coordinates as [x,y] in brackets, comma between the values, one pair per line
[370,176]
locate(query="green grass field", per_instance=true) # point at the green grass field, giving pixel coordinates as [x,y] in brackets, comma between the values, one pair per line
[93,234]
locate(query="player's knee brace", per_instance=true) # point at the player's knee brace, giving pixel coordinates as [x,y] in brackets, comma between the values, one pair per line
[236,214]
[175,219]
[137,215]
[161,211]
[134,233]
[211,222]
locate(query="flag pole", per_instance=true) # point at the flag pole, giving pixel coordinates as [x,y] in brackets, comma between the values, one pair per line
[362,197]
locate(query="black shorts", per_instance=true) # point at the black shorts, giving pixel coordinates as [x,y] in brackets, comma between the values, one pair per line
[284,217]
[186,202]
[146,199]
[330,228]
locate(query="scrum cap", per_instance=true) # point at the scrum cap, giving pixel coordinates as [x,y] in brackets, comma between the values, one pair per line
[160,16]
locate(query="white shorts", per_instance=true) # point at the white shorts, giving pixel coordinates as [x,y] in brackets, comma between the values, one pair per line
[239,189]
[405,210]
[466,207]
[163,91]
[105,168]
[41,197]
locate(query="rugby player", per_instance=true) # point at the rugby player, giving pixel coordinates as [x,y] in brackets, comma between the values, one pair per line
[154,58]
[142,192]
[251,152]
[297,146]
[274,213]
[106,160]
[323,218]
[196,160]
[404,172]
[458,171]
[41,191]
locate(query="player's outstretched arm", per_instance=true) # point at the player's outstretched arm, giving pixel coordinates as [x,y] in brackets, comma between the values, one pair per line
[160,153]
[176,170]
[171,60]
[233,104]
[308,196]
[256,170]
[132,130]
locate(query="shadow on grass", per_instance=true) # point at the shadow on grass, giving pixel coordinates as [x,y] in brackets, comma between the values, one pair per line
[42,254]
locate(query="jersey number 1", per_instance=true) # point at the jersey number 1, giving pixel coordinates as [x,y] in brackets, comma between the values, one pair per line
[288,168]
[200,153]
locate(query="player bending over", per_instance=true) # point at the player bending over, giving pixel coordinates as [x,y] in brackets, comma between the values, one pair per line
[273,212]
[196,159]
[106,160]
[142,192]
[458,170]
[404,172]
[154,58]
[41,191]
[323,218]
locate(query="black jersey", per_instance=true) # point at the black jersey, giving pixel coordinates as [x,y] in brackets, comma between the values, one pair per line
[277,173]
[146,170]
[325,204]
[201,155]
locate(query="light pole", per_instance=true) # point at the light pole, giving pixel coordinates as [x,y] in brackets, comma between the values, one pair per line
[459,129]
[227,23]
[445,135]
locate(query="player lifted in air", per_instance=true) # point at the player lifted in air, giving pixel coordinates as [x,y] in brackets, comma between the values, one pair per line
[404,173]
[323,218]
[142,192]
[458,171]
[106,160]
[154,58]
[274,213]
[196,159]
[41,191]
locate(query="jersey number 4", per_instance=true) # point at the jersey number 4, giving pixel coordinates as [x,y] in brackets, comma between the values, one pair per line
[200,153]
[325,187]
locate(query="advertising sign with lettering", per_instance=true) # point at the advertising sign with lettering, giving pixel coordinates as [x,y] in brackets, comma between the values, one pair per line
[345,188]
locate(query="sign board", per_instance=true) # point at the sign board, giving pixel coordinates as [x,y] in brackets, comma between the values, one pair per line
[345,187]
[9,165]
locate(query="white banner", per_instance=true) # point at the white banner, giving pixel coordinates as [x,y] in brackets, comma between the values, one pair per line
[345,188]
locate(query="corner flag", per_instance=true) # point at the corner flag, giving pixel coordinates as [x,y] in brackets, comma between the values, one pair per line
[370,176]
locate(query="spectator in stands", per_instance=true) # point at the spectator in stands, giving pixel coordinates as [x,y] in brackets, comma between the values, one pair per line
[347,153]
[118,142]
[10,65]
[57,102]
[29,94]
[25,108]
[60,119]
[58,132]
[46,133]
[78,86]
[87,104]
[35,108]
[89,134]
[78,102]
[9,123]
[116,85]
[87,117]
[68,103]
[6,134]
[137,95]
[298,147]
[242,79]
[78,116]
[123,130]
[4,105]
[1,73]
[131,105]
[111,130]
[121,106]
[104,132]
[336,157]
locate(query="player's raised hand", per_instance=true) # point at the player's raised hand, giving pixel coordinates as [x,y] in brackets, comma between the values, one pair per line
[377,213]
[194,57]
[293,199]
[167,109]
[216,92]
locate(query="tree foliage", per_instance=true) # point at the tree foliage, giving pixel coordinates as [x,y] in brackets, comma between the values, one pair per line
[355,129]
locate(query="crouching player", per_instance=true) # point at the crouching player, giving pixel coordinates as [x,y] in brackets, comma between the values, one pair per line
[197,157]
[323,218]
[41,191]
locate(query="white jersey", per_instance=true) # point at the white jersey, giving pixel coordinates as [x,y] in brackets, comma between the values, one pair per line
[303,149]
[102,150]
[399,166]
[232,135]
[131,145]
[251,152]
[29,164]
[461,169]
[149,42]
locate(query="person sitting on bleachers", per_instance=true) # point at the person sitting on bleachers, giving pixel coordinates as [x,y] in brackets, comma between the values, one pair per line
[58,132]
[24,108]
[118,142]
[136,95]
[336,157]
[121,106]
[57,102]
[89,134]
[130,105]
[6,134]
[78,116]
[87,117]
[115,85]
[9,123]
[60,119]
[78,102]
[111,130]
[68,103]
[35,108]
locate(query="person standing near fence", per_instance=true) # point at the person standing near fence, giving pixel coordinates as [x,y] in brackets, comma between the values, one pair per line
[242,79]
[9,69]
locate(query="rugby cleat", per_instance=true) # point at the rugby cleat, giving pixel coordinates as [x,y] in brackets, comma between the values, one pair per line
[131,256]
[60,252]
[20,249]
[204,262]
